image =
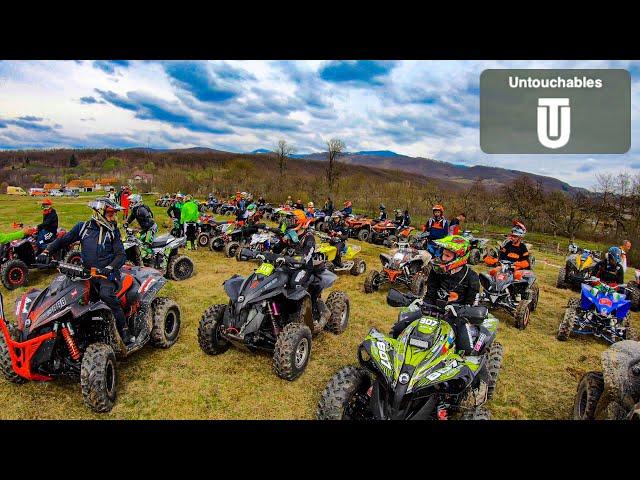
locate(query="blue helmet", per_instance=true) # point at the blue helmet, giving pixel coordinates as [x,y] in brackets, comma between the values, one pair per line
[616,254]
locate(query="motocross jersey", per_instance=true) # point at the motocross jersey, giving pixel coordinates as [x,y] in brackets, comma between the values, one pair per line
[514,253]
[437,228]
[143,215]
[608,273]
[466,283]
[49,222]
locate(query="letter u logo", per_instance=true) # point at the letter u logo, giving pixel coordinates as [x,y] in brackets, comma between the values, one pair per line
[554,122]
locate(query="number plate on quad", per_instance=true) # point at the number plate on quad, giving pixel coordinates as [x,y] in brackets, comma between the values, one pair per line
[265,269]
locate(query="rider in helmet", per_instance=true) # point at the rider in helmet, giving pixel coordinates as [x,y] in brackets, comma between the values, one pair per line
[328,207]
[610,269]
[450,274]
[514,248]
[289,202]
[339,234]
[437,226]
[347,210]
[299,205]
[405,221]
[383,213]
[311,211]
[48,229]
[101,248]
[144,216]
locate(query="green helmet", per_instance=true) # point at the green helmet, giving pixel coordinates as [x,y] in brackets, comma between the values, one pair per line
[457,245]
[251,207]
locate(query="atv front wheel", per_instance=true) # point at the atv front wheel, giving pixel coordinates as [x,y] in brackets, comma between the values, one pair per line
[589,392]
[209,337]
[74,257]
[166,322]
[391,241]
[475,257]
[372,282]
[180,268]
[292,352]
[359,267]
[419,285]
[522,314]
[203,240]
[216,244]
[493,366]
[98,377]
[492,252]
[338,303]
[6,366]
[533,293]
[231,248]
[568,320]
[340,398]
[15,274]
[561,281]
[364,234]
[304,315]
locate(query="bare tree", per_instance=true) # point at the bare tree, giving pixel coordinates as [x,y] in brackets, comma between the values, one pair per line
[335,148]
[283,151]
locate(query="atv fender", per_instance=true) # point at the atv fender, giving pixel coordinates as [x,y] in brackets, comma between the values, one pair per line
[485,280]
[297,294]
[621,384]
[232,287]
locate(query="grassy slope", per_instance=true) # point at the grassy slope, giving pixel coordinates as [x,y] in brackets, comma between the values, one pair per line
[538,378]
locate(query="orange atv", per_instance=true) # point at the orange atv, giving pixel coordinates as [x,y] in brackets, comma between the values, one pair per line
[402,266]
[359,227]
[386,233]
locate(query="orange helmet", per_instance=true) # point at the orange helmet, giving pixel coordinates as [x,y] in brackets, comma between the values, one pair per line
[347,204]
[47,202]
[437,206]
[301,219]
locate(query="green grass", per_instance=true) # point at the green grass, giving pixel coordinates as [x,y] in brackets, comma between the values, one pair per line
[538,379]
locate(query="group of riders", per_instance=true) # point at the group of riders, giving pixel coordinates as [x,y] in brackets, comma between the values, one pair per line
[102,246]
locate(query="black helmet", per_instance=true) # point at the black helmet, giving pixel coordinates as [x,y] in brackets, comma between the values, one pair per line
[382,207]
[100,207]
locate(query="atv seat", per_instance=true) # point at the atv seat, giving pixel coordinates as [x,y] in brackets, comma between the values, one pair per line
[475,315]
[162,240]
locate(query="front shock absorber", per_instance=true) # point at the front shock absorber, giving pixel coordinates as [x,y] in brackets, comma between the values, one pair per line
[71,343]
[274,312]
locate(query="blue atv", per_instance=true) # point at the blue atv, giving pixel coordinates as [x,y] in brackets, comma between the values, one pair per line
[600,311]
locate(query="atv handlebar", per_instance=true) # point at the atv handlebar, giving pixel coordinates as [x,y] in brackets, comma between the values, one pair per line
[277,260]
[78,271]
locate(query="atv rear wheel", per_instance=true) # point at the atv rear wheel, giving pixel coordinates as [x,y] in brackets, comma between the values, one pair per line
[180,268]
[6,366]
[589,392]
[216,244]
[391,241]
[209,338]
[98,377]
[338,303]
[561,281]
[166,322]
[363,234]
[522,314]
[475,257]
[203,240]
[372,282]
[493,366]
[74,257]
[338,400]
[568,320]
[292,352]
[359,267]
[231,248]
[15,274]
[419,285]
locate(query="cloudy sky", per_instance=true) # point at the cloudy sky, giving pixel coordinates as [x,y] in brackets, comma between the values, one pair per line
[417,108]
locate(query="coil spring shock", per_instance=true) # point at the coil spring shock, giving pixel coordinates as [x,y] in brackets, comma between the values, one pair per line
[71,344]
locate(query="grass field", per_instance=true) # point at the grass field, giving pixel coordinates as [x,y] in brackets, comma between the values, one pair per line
[538,379]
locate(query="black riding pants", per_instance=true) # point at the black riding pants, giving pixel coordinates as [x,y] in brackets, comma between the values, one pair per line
[107,292]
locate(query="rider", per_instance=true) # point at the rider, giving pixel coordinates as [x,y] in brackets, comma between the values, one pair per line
[513,249]
[124,201]
[298,205]
[101,248]
[189,215]
[347,210]
[450,274]
[289,202]
[610,269]
[339,234]
[383,213]
[48,229]
[437,226]
[311,211]
[454,226]
[328,207]
[174,212]
[405,222]
[144,216]
[398,217]
[261,201]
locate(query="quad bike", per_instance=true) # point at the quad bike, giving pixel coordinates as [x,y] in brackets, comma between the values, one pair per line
[269,311]
[424,373]
[65,330]
[19,256]
[267,240]
[614,392]
[479,248]
[403,266]
[162,202]
[386,233]
[164,255]
[577,267]
[327,252]
[234,236]
[515,291]
[321,221]
[226,209]
[600,311]
[359,227]
[208,228]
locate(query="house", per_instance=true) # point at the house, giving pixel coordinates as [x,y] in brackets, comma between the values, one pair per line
[141,177]
[105,183]
[52,186]
[81,185]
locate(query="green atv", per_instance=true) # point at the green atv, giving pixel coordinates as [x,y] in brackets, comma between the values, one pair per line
[424,373]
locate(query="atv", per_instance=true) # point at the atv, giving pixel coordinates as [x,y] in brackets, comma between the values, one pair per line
[600,311]
[327,252]
[359,227]
[164,255]
[515,291]
[577,267]
[18,256]
[226,209]
[208,228]
[403,266]
[479,248]
[321,221]
[386,233]
[269,311]
[614,392]
[233,236]
[424,374]
[65,330]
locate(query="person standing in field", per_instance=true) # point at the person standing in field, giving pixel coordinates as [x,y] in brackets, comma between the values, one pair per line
[625,247]
[124,202]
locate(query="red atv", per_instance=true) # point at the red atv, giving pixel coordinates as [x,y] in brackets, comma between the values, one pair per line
[17,257]
[386,233]
[359,227]
[65,330]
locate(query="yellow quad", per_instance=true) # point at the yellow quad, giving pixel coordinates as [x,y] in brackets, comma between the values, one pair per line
[327,253]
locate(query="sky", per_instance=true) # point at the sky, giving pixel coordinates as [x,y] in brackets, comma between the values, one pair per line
[416,108]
